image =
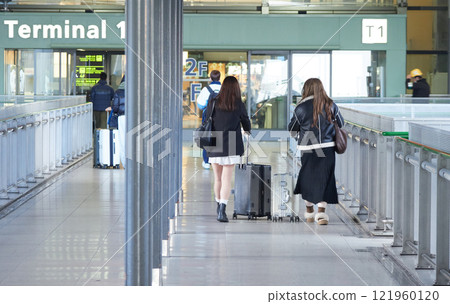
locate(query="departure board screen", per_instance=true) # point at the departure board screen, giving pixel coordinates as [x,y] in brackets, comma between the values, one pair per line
[88,69]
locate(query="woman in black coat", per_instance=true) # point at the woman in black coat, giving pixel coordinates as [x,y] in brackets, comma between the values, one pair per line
[312,123]
[228,114]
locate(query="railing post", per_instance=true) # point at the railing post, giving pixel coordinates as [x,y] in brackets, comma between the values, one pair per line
[38,142]
[398,193]
[364,169]
[3,161]
[345,167]
[31,151]
[351,168]
[64,136]
[12,155]
[381,182]
[408,202]
[45,142]
[424,248]
[52,140]
[70,126]
[58,138]
[21,157]
[442,222]
[372,181]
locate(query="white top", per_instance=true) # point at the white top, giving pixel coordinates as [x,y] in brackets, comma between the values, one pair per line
[202,99]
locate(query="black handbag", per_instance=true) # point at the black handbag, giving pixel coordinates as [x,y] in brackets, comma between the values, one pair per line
[203,136]
[340,138]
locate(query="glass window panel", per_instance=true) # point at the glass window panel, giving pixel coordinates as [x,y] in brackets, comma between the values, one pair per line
[196,69]
[305,66]
[427,2]
[64,75]
[71,74]
[26,72]
[427,30]
[46,82]
[10,72]
[268,91]
[116,70]
[350,67]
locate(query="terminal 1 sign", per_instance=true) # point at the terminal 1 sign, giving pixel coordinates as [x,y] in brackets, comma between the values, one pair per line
[60,31]
[50,30]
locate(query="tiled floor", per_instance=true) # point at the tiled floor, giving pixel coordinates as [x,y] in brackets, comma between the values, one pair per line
[261,252]
[72,233]
[65,234]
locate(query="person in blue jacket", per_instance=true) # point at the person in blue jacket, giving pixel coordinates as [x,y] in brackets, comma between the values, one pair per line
[118,109]
[101,96]
[202,102]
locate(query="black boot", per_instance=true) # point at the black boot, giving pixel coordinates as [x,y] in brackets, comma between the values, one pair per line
[218,209]
[222,216]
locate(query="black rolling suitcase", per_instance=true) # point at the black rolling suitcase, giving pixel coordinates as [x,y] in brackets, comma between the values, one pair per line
[252,193]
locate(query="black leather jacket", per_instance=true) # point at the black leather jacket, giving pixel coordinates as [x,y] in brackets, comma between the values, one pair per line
[302,120]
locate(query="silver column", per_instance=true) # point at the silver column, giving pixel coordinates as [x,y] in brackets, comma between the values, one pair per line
[153,86]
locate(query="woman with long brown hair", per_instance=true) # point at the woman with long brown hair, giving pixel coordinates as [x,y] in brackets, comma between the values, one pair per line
[312,123]
[228,114]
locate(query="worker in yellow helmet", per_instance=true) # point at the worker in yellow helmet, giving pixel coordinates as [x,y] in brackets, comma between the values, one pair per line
[418,84]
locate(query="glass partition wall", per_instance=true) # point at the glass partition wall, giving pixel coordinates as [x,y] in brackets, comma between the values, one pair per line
[276,79]
[270,81]
[39,72]
[268,87]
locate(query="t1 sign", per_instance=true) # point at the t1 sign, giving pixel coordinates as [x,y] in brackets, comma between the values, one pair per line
[374,31]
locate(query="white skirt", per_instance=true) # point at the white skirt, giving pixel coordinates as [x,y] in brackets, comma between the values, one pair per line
[225,160]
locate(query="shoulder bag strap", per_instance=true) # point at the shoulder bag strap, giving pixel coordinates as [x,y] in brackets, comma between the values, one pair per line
[211,91]
[212,110]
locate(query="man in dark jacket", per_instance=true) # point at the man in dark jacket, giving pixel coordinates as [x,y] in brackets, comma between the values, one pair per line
[101,96]
[418,84]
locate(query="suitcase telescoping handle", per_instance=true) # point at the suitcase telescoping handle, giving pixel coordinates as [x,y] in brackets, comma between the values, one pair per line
[246,150]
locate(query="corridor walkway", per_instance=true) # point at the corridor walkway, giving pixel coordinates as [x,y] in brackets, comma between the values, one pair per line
[72,233]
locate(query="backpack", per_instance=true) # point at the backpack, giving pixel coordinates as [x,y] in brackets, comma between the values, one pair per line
[212,94]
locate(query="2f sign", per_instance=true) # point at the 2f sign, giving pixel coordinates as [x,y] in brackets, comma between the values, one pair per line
[374,31]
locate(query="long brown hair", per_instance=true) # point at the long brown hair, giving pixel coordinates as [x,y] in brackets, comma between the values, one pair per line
[314,87]
[229,94]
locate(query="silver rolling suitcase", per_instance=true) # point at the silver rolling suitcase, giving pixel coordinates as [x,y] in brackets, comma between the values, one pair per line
[284,203]
[107,148]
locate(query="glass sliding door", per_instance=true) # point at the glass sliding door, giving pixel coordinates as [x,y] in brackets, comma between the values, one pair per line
[268,87]
[350,71]
[116,69]
[309,65]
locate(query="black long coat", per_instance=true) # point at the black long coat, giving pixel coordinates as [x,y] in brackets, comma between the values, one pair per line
[227,129]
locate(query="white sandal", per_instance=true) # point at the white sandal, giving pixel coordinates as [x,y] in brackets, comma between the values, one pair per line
[309,216]
[322,218]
